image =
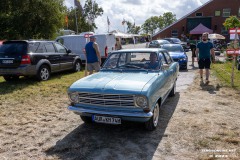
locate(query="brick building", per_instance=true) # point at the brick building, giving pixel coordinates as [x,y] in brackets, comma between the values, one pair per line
[210,16]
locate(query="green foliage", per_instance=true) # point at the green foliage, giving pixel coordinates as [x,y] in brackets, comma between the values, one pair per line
[31,19]
[85,19]
[231,22]
[155,22]
[131,28]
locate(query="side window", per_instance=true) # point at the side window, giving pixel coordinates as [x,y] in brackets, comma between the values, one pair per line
[33,47]
[60,48]
[122,59]
[167,58]
[49,47]
[41,49]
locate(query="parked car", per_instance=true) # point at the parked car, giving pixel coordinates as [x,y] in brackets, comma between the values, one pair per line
[124,89]
[178,41]
[157,43]
[35,58]
[178,54]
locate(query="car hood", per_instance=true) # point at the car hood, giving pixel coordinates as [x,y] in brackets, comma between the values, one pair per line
[113,81]
[177,54]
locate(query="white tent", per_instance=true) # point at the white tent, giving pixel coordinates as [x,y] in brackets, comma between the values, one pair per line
[121,34]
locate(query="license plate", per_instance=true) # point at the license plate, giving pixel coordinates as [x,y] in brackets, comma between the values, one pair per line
[105,119]
[7,61]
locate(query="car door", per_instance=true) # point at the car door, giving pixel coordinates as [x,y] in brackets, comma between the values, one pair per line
[66,59]
[168,69]
[52,56]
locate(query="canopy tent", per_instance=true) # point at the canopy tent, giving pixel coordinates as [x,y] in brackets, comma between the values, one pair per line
[121,35]
[216,36]
[200,29]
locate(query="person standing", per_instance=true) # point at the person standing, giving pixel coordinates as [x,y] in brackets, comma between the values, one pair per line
[204,52]
[93,55]
[193,49]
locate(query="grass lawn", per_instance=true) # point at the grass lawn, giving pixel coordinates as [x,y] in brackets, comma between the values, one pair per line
[223,71]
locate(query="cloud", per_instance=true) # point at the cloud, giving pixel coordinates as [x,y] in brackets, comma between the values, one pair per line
[138,11]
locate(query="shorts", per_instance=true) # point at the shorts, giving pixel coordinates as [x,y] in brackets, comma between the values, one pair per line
[204,63]
[93,66]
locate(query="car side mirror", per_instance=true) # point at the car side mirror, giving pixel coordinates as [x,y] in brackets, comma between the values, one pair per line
[69,51]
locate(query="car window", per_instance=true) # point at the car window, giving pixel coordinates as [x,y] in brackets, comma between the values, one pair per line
[133,60]
[33,46]
[60,48]
[13,49]
[168,59]
[49,47]
[173,48]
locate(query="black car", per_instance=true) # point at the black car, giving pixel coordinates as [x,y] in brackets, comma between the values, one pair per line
[178,41]
[35,58]
[157,43]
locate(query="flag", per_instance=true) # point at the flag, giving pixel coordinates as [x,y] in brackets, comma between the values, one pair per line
[78,4]
[123,22]
[108,21]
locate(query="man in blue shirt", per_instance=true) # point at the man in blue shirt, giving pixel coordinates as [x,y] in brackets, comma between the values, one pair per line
[203,52]
[153,64]
[93,55]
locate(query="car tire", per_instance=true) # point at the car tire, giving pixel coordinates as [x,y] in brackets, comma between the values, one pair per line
[43,73]
[173,91]
[77,66]
[86,119]
[153,122]
[11,78]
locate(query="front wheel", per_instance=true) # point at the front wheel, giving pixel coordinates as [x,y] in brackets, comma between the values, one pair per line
[77,66]
[153,122]
[43,73]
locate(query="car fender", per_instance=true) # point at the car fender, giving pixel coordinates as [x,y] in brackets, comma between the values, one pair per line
[77,58]
[41,62]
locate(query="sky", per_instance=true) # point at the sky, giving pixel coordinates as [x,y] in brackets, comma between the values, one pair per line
[137,11]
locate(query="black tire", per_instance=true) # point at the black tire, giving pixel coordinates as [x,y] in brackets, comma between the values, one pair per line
[153,122]
[43,73]
[11,78]
[86,119]
[173,91]
[77,66]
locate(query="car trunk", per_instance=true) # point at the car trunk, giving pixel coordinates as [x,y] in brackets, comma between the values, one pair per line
[11,53]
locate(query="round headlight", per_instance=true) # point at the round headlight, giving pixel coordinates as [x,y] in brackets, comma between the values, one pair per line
[74,97]
[141,101]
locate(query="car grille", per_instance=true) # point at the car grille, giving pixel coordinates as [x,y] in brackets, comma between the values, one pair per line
[115,100]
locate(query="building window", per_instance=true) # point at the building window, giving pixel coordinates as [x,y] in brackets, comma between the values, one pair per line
[174,33]
[217,13]
[199,14]
[226,12]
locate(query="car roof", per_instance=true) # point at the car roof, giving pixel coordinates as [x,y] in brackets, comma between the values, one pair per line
[28,41]
[171,44]
[141,50]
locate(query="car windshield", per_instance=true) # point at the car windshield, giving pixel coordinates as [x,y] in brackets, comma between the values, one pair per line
[133,60]
[175,40]
[163,42]
[173,48]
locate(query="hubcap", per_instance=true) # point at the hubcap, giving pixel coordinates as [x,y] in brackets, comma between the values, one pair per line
[44,74]
[78,66]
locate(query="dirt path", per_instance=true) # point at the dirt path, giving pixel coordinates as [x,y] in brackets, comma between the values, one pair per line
[198,123]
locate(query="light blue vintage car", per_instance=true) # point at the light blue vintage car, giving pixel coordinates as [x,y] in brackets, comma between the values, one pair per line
[131,86]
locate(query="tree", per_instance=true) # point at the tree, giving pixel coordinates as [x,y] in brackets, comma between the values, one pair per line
[158,22]
[233,22]
[27,19]
[132,28]
[85,19]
